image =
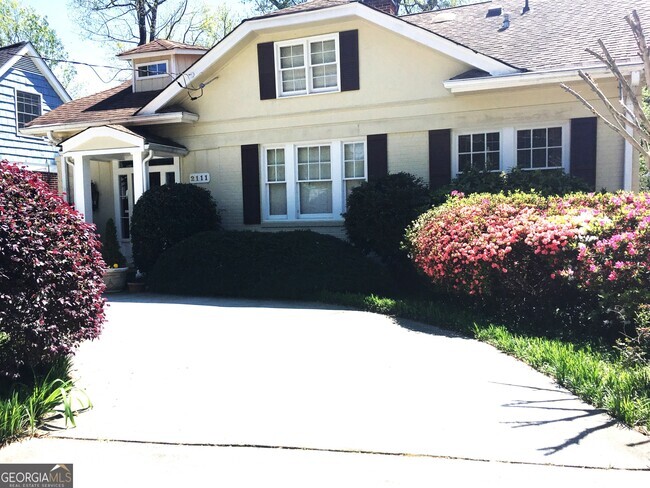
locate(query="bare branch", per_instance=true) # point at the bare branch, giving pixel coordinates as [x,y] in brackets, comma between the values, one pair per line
[621,131]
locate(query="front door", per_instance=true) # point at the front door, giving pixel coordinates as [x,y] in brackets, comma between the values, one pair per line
[162,171]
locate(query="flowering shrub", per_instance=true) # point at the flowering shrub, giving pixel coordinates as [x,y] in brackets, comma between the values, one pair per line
[595,246]
[50,274]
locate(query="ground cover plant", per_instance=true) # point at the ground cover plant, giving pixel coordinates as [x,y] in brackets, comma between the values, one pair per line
[294,264]
[50,274]
[45,393]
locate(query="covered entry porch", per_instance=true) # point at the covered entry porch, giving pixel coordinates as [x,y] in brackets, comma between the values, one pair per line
[105,170]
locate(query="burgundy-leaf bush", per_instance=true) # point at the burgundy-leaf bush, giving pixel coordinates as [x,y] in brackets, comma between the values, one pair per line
[587,252]
[50,274]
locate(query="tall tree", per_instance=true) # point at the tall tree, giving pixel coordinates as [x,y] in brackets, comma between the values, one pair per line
[19,23]
[125,22]
[405,6]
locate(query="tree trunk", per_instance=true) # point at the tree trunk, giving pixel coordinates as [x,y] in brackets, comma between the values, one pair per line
[141,12]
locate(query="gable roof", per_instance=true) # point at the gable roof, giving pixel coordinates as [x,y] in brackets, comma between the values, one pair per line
[8,52]
[10,55]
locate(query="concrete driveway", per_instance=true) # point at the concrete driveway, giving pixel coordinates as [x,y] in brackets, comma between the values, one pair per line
[218,392]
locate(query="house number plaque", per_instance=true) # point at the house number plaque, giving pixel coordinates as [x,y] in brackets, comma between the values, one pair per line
[200,178]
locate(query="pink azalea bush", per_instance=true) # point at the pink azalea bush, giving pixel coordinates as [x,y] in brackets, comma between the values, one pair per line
[50,274]
[518,246]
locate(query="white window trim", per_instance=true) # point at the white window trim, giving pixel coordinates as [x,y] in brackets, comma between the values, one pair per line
[151,63]
[508,145]
[291,180]
[566,144]
[310,90]
[40,98]
[454,147]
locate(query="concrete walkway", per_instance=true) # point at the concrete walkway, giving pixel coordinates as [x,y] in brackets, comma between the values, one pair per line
[218,392]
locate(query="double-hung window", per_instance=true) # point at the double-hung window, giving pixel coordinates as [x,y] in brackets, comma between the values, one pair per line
[308,65]
[539,148]
[28,107]
[311,181]
[480,151]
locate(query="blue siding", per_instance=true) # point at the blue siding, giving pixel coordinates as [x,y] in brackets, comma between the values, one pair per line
[34,152]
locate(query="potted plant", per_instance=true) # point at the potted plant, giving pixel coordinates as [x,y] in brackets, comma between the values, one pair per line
[116,269]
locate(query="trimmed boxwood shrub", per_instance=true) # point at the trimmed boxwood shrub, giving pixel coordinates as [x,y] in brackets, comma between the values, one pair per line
[582,254]
[166,215]
[378,213]
[543,182]
[296,264]
[50,274]
[111,252]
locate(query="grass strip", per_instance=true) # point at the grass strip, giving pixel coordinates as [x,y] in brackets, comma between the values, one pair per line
[26,406]
[600,378]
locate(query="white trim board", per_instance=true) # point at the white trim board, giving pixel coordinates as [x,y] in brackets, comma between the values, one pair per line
[28,50]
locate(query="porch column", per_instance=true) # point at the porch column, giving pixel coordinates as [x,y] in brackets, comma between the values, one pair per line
[63,180]
[140,175]
[82,193]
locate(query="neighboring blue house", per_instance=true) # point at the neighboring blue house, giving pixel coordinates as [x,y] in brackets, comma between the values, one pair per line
[28,89]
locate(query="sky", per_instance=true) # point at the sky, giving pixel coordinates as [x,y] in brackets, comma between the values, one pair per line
[80,49]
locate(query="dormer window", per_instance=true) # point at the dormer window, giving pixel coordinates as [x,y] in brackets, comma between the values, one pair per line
[152,70]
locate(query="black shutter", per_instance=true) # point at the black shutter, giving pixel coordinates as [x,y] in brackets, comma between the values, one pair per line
[439,158]
[583,149]
[349,49]
[266,68]
[250,176]
[377,156]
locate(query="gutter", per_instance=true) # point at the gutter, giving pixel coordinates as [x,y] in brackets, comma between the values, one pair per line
[534,78]
[164,118]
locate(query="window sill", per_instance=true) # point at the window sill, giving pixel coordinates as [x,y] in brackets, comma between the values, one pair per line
[274,224]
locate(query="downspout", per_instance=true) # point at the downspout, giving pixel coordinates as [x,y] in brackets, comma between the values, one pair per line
[65,182]
[628,162]
[145,162]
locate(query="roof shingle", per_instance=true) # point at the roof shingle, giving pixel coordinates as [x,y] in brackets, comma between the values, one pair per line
[159,45]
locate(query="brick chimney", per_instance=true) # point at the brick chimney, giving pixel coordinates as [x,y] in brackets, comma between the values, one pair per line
[388,6]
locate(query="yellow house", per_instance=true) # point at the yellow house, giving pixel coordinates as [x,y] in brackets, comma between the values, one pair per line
[289,112]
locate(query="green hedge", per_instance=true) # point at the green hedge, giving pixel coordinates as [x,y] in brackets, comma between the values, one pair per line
[290,265]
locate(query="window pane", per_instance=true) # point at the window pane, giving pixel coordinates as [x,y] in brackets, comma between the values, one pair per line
[271,173]
[493,141]
[303,153]
[464,162]
[523,139]
[278,199]
[478,161]
[350,185]
[325,153]
[555,137]
[154,180]
[539,138]
[555,157]
[539,158]
[523,158]
[464,144]
[170,177]
[478,142]
[492,161]
[315,198]
[326,172]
